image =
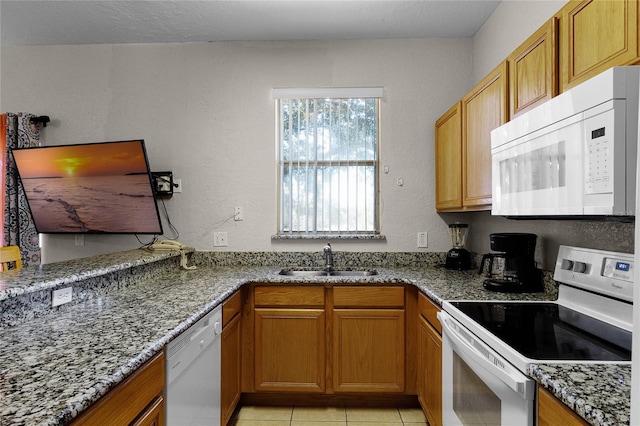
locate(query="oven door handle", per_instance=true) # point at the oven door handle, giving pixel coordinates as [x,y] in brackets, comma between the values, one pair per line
[471,348]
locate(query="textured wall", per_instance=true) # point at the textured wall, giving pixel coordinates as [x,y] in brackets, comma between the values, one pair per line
[206,113]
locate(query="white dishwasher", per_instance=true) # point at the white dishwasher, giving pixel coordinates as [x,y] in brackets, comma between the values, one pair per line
[193,373]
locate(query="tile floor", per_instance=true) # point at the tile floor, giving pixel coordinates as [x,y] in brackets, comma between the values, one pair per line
[328,416]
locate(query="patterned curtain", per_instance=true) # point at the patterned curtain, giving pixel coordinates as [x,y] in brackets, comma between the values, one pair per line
[19,229]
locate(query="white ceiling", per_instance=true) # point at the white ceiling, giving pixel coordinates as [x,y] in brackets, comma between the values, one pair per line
[177,21]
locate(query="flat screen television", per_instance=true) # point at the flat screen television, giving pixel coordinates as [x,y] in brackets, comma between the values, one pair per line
[89,188]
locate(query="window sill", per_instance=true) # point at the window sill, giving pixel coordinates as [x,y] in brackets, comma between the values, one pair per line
[328,237]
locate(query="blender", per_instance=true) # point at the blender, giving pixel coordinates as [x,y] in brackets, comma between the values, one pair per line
[458,258]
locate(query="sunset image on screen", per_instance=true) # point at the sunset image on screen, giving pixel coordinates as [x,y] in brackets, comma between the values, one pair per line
[89,188]
[82,160]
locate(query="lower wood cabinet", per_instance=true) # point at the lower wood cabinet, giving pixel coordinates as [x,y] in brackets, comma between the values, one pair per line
[230,356]
[368,339]
[368,350]
[289,339]
[153,415]
[429,361]
[552,412]
[290,347]
[137,400]
[327,339]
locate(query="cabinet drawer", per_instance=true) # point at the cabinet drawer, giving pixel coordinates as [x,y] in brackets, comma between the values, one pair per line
[289,295]
[368,296]
[128,399]
[231,307]
[429,310]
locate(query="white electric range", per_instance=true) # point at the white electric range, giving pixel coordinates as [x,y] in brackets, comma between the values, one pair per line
[488,345]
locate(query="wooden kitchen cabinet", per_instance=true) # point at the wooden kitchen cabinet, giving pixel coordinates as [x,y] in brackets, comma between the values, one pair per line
[136,400]
[483,109]
[289,338]
[533,69]
[596,35]
[552,412]
[448,155]
[368,339]
[231,356]
[429,361]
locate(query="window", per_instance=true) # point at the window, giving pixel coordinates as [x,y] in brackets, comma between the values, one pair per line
[328,142]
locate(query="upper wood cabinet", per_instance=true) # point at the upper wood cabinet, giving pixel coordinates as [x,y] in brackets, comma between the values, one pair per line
[483,109]
[533,69]
[596,35]
[449,159]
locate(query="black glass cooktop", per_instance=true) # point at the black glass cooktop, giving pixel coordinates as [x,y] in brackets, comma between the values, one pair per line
[547,331]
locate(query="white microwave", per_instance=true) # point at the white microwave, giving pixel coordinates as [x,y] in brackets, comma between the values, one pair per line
[574,155]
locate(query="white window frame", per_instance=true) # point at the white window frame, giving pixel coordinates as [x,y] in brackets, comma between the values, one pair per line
[328,93]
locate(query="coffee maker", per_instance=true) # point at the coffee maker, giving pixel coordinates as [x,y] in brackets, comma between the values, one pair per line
[458,258]
[513,269]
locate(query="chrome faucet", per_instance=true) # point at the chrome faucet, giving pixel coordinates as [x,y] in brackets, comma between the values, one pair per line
[328,258]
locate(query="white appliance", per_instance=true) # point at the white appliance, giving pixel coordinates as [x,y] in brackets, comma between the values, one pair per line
[574,155]
[487,346]
[193,373]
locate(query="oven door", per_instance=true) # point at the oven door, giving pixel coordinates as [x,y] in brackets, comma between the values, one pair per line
[479,386]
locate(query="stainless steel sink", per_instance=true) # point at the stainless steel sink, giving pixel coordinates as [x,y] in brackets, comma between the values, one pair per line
[320,273]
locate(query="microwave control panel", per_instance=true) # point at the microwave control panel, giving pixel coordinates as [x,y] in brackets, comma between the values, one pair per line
[599,159]
[598,174]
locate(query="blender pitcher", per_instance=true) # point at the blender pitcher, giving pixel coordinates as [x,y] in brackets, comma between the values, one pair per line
[458,258]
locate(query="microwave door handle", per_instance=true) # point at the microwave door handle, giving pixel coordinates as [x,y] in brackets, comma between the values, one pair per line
[509,376]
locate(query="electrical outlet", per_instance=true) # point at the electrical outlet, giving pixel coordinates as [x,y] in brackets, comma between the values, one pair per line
[238,214]
[422,240]
[219,239]
[177,185]
[61,296]
[79,239]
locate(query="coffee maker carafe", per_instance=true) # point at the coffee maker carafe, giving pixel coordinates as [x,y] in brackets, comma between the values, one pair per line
[513,269]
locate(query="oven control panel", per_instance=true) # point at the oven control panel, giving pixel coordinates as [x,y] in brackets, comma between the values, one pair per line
[603,272]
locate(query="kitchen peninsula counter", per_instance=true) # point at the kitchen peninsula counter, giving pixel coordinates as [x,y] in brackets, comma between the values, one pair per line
[128,305]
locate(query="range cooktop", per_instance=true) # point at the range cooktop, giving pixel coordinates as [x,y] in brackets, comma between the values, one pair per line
[547,331]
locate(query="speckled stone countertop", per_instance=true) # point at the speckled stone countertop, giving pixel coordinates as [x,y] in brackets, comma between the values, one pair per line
[55,363]
[599,393]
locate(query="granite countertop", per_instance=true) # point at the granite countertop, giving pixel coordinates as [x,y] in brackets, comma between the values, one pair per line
[55,366]
[599,393]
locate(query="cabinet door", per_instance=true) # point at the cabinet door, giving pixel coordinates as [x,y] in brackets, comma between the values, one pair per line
[368,350]
[483,109]
[153,416]
[230,371]
[552,412]
[533,69]
[430,372]
[130,399]
[289,350]
[449,160]
[596,35]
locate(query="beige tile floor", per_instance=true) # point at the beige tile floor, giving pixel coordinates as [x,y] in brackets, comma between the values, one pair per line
[328,416]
